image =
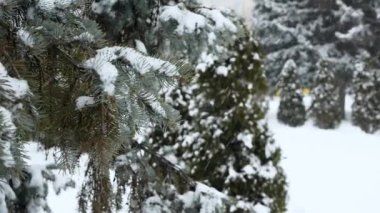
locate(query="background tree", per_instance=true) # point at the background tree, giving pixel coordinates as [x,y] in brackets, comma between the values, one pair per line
[310,30]
[374,104]
[364,88]
[364,108]
[223,140]
[279,20]
[292,109]
[324,107]
[190,32]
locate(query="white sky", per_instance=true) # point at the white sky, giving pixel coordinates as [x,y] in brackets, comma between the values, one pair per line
[242,7]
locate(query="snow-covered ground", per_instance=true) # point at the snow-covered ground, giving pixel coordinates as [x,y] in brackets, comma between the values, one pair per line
[329,171]
[66,201]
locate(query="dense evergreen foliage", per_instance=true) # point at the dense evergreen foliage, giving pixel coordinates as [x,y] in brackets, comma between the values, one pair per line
[324,107]
[365,109]
[223,140]
[88,98]
[307,31]
[166,99]
[89,88]
[292,109]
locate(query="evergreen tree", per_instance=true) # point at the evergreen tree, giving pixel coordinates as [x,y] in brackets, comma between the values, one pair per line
[363,82]
[92,94]
[310,30]
[374,103]
[324,107]
[222,140]
[23,187]
[275,25]
[95,88]
[13,93]
[291,110]
[329,29]
[187,31]
[364,110]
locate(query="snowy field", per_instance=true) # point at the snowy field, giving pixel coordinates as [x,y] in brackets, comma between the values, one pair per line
[66,201]
[329,171]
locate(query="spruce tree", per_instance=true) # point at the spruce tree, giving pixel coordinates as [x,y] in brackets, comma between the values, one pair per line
[292,109]
[23,186]
[13,93]
[95,87]
[310,30]
[222,140]
[364,108]
[329,29]
[363,85]
[324,107]
[91,95]
[374,103]
[187,31]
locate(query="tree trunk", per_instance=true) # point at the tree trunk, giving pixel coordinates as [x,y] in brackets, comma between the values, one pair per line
[342,99]
[343,79]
